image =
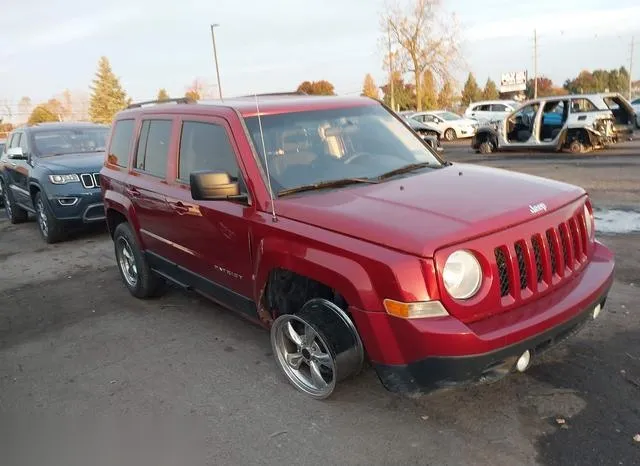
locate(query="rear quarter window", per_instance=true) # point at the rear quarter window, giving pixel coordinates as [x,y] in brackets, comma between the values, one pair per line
[121,143]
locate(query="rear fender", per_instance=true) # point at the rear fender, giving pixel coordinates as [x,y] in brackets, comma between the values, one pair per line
[116,201]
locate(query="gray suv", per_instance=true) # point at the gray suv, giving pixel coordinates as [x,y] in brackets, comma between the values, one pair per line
[52,171]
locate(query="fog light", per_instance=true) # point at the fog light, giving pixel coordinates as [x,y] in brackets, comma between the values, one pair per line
[596,311]
[523,361]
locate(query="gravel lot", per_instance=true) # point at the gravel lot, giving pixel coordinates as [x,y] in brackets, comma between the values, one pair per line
[89,375]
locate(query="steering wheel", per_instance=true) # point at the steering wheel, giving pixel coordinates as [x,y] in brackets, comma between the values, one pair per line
[356,156]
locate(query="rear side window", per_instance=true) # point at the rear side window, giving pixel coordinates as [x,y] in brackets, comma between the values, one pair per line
[498,108]
[205,146]
[121,143]
[153,147]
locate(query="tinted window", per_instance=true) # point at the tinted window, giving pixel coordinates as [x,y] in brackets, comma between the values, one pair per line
[121,142]
[205,146]
[483,108]
[499,108]
[79,140]
[153,147]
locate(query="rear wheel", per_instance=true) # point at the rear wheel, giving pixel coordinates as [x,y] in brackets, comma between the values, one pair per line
[450,134]
[134,269]
[14,213]
[317,347]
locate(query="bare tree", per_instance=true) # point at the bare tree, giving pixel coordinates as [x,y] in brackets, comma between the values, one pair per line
[24,108]
[426,39]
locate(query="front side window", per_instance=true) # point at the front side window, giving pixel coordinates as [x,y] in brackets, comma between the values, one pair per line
[205,147]
[153,147]
[15,140]
[318,146]
[62,141]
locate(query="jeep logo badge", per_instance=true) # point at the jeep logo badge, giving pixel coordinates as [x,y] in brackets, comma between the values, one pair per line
[537,208]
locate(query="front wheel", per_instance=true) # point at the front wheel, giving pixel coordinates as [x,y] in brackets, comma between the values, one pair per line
[50,227]
[450,134]
[317,347]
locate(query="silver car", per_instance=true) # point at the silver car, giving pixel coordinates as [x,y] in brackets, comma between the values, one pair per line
[453,126]
[572,122]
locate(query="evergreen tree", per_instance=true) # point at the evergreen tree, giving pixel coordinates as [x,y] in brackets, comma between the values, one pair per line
[490,90]
[42,114]
[471,91]
[107,95]
[163,94]
[369,87]
[445,98]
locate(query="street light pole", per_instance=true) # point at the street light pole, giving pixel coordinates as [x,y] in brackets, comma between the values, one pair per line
[215,57]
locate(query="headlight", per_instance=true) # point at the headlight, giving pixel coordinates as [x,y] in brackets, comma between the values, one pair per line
[589,220]
[63,179]
[462,275]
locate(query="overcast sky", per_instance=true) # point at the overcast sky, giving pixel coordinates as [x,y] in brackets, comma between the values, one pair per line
[272,45]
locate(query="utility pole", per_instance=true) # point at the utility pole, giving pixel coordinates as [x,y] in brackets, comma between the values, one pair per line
[631,68]
[535,64]
[393,102]
[215,57]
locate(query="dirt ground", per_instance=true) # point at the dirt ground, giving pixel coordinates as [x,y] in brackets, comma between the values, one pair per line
[89,375]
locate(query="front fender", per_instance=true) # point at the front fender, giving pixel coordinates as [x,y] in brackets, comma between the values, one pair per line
[482,134]
[343,274]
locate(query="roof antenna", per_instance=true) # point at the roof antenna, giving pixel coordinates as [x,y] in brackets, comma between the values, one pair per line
[266,163]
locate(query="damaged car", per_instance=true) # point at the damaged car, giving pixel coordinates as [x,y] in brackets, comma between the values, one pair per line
[574,123]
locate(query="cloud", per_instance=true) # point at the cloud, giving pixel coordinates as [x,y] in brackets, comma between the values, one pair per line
[574,23]
[72,30]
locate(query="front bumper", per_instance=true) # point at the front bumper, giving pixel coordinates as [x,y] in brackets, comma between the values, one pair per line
[421,355]
[80,207]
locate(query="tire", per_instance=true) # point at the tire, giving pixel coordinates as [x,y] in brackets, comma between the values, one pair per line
[317,347]
[133,266]
[14,213]
[576,147]
[450,135]
[51,229]
[486,147]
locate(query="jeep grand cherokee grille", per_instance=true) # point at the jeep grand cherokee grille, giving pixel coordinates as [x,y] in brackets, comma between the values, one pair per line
[541,253]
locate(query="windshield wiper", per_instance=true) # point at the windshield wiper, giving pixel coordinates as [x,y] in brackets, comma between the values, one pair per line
[406,169]
[326,184]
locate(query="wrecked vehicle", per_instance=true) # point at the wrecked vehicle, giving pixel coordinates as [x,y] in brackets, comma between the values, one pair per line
[431,135]
[327,221]
[575,123]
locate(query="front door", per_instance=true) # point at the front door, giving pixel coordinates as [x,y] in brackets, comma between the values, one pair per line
[211,237]
[18,170]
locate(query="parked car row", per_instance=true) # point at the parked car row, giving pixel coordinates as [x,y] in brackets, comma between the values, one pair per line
[327,221]
[575,123]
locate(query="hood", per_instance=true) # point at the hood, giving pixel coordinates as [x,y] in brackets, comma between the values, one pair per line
[74,163]
[421,213]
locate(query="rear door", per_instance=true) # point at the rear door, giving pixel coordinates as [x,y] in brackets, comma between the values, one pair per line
[211,238]
[147,183]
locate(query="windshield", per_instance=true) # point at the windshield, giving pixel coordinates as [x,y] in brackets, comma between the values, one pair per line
[318,146]
[69,141]
[449,116]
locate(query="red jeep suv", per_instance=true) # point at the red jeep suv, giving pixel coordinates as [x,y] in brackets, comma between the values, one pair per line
[330,222]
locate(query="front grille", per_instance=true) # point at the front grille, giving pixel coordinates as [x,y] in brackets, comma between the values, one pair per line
[90,180]
[540,253]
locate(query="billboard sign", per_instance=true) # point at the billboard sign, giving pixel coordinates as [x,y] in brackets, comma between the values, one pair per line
[513,82]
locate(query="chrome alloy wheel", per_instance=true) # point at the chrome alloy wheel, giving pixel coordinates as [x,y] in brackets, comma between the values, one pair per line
[127,261]
[43,221]
[317,347]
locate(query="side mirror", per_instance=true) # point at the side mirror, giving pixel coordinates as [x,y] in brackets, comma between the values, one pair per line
[15,153]
[214,186]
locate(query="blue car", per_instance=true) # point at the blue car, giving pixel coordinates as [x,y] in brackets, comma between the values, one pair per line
[52,170]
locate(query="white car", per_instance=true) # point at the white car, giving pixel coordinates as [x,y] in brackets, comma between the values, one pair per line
[636,106]
[490,110]
[453,126]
